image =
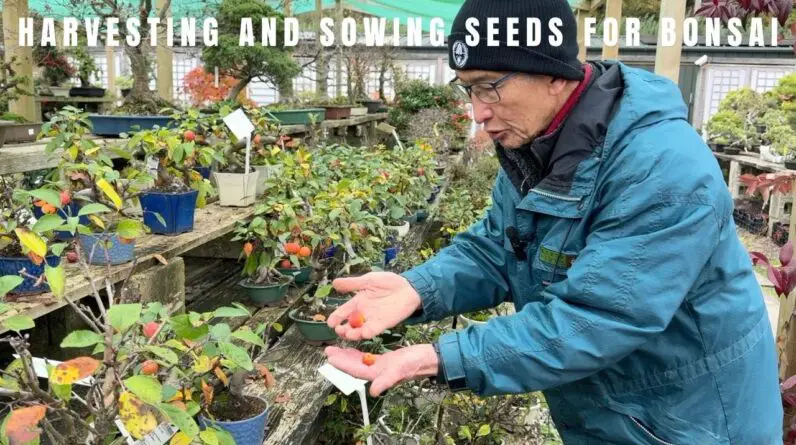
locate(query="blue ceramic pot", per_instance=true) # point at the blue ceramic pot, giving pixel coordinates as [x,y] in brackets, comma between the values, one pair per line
[115,125]
[245,432]
[119,253]
[69,210]
[176,209]
[328,253]
[390,254]
[204,171]
[12,266]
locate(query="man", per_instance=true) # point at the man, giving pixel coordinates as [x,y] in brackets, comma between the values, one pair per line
[611,230]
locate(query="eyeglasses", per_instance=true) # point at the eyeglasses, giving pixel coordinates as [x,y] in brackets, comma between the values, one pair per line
[486,92]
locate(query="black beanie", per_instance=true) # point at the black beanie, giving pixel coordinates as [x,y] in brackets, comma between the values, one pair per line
[542,58]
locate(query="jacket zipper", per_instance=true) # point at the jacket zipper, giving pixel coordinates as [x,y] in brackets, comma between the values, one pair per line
[556,196]
[649,433]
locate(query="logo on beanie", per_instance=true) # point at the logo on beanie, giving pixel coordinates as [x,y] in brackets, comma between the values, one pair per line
[459,53]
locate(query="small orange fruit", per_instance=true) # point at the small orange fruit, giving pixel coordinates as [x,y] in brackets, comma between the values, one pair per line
[292,248]
[150,329]
[257,139]
[369,359]
[248,248]
[286,264]
[305,252]
[126,240]
[149,368]
[356,319]
[48,209]
[66,198]
[189,136]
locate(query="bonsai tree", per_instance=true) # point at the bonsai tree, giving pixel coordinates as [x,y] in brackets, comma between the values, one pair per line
[201,87]
[272,64]
[725,127]
[87,67]
[57,69]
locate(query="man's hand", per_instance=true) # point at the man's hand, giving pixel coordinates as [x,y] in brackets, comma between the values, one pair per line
[390,369]
[384,299]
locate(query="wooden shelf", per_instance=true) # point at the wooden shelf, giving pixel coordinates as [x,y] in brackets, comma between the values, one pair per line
[210,223]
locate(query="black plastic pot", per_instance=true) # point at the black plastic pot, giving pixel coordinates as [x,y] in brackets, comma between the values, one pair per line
[732,150]
[126,91]
[373,105]
[87,92]
[790,165]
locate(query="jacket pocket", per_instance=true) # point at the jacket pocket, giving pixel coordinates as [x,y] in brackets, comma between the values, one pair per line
[649,434]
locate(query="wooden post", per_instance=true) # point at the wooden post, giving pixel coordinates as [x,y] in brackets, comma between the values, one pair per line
[165,61]
[110,55]
[321,65]
[25,106]
[581,12]
[339,47]
[613,9]
[734,182]
[667,58]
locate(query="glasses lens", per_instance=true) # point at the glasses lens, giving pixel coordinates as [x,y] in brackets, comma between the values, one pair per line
[486,93]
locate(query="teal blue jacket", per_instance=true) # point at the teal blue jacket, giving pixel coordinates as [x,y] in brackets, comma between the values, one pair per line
[638,312]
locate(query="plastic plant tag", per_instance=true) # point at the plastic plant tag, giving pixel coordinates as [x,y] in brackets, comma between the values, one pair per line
[152,165]
[389,129]
[159,436]
[347,384]
[239,124]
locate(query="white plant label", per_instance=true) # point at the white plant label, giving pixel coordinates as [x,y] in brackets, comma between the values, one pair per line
[239,124]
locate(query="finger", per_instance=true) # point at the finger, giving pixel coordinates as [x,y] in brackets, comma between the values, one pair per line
[350,284]
[384,382]
[350,362]
[341,313]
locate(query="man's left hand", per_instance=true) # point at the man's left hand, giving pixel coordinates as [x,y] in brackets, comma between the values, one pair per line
[390,369]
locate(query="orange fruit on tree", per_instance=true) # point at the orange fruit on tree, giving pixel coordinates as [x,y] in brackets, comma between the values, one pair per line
[66,198]
[150,329]
[292,248]
[305,252]
[248,248]
[189,136]
[48,209]
[286,264]
[149,367]
[126,240]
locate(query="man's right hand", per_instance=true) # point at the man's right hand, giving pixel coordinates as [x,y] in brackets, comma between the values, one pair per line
[385,299]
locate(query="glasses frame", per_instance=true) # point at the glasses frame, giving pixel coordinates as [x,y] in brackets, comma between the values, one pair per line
[494,85]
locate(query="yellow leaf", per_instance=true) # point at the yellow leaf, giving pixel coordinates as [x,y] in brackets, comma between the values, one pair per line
[96,220]
[221,376]
[180,439]
[202,364]
[73,152]
[92,151]
[31,241]
[56,279]
[73,370]
[138,418]
[110,192]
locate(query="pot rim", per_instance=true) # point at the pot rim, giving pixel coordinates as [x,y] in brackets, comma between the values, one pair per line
[242,283]
[190,192]
[235,422]
[24,258]
[292,315]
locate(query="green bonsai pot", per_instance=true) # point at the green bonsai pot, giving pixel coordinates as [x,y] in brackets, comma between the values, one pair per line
[265,294]
[316,331]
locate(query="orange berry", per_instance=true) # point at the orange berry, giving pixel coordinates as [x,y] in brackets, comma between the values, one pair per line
[48,209]
[189,136]
[39,203]
[149,368]
[66,198]
[126,240]
[248,248]
[286,264]
[369,359]
[305,252]
[292,248]
[257,139]
[356,320]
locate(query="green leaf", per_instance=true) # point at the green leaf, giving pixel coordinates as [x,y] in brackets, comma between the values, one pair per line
[224,438]
[58,248]
[227,311]
[185,330]
[192,407]
[49,196]
[174,344]
[56,278]
[130,229]
[122,316]
[81,339]
[47,223]
[181,419]
[246,334]
[483,431]
[237,355]
[63,392]
[18,323]
[93,208]
[209,437]
[8,283]
[220,332]
[165,353]
[145,387]
[4,308]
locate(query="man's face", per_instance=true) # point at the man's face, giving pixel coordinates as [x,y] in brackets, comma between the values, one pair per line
[526,107]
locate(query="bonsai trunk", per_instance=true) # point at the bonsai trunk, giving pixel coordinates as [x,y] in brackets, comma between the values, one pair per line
[139,63]
[285,87]
[233,93]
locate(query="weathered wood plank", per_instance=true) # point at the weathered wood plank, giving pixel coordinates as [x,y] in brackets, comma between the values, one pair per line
[752,160]
[210,223]
[203,274]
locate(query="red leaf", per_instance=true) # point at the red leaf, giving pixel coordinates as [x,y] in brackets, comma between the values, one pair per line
[789,278]
[775,278]
[22,426]
[758,258]
[786,253]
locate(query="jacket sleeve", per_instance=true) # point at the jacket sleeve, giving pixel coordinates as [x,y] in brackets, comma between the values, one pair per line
[470,273]
[644,252]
